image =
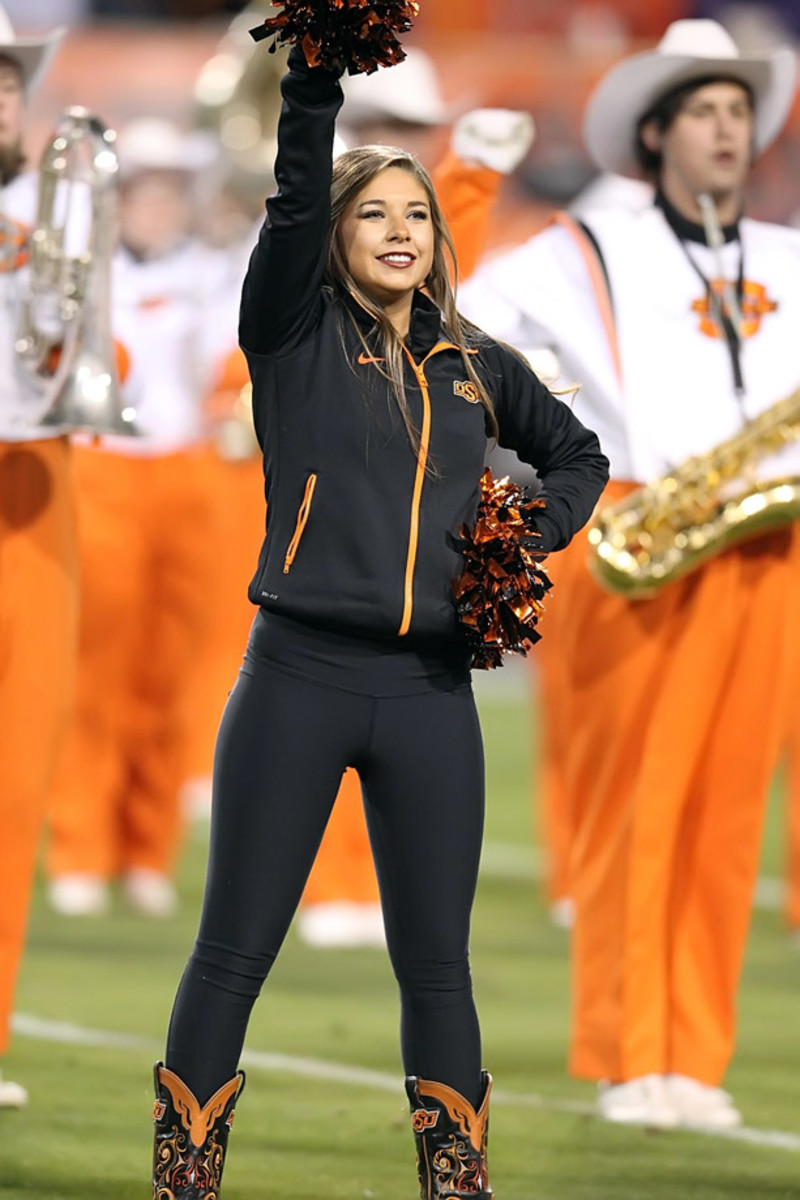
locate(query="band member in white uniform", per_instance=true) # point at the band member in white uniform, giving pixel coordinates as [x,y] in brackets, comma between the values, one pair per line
[146,558]
[38,569]
[664,716]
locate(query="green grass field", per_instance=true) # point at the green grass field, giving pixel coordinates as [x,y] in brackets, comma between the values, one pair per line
[301,1136]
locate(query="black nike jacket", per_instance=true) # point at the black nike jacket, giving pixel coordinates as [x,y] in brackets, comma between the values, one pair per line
[361,530]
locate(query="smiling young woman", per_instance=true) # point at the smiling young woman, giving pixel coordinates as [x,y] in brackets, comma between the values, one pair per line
[373,402]
[387,239]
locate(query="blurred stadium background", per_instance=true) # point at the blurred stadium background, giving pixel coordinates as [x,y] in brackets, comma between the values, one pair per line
[127,59]
[323,1114]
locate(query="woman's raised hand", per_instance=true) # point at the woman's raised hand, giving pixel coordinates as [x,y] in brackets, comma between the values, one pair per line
[340,35]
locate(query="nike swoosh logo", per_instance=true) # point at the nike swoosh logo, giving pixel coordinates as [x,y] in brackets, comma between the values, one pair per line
[364,361]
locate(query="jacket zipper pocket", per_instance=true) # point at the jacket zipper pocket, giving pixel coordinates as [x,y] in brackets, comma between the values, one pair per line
[302,518]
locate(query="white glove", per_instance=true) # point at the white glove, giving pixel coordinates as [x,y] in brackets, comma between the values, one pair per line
[497,138]
[547,369]
[543,363]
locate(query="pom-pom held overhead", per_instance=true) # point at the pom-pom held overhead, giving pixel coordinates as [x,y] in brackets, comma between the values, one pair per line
[359,35]
[500,595]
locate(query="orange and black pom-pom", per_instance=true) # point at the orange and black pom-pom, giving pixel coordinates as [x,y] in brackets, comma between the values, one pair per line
[500,595]
[360,35]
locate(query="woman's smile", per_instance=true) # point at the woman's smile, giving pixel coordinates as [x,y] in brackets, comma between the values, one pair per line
[398,259]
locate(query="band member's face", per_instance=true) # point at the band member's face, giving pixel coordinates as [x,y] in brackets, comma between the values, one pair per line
[387,236]
[708,147]
[12,101]
[155,211]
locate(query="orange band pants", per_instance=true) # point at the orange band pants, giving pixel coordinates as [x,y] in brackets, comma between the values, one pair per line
[236,530]
[669,716]
[146,561]
[38,642]
[792,901]
[549,667]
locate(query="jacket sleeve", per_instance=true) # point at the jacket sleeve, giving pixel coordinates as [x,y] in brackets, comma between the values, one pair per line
[546,434]
[281,296]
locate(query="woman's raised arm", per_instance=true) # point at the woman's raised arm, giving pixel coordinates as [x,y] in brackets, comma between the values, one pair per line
[281,294]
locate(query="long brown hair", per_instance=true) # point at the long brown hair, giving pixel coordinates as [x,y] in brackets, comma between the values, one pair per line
[352,172]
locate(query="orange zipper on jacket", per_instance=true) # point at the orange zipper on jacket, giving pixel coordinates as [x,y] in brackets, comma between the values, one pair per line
[302,518]
[419,479]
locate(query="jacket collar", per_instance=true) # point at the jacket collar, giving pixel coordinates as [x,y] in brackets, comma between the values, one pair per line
[426,323]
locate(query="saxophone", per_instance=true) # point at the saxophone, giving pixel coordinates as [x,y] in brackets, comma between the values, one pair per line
[708,503]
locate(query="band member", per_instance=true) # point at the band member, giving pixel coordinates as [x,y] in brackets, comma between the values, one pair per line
[38,570]
[373,448]
[144,506]
[663,716]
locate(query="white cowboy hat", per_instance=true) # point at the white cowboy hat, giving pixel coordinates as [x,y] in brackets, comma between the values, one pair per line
[156,144]
[407,92]
[32,55]
[691,49]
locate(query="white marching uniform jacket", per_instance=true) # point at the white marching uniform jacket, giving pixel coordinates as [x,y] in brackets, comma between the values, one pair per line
[655,373]
[162,316]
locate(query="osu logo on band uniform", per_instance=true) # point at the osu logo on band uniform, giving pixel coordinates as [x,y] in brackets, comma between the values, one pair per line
[755,305]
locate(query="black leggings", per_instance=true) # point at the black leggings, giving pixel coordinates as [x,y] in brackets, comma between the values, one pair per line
[283,745]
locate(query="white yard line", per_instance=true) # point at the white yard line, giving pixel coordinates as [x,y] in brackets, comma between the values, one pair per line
[25,1025]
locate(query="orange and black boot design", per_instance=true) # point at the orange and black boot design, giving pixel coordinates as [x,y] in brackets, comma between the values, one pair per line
[451,1140]
[190,1141]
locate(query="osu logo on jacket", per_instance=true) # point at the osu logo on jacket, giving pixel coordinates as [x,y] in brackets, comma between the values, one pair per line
[467,390]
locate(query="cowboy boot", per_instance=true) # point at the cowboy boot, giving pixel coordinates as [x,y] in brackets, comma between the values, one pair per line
[190,1141]
[451,1140]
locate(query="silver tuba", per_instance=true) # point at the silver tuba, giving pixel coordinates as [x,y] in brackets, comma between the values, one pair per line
[64,337]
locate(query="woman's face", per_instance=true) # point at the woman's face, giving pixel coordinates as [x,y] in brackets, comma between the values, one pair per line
[387,236]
